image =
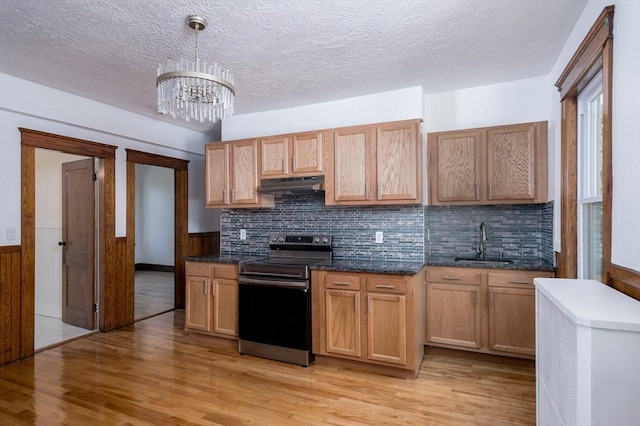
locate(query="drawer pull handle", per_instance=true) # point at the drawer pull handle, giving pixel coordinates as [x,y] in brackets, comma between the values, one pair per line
[452,278]
[340,283]
[519,282]
[384,286]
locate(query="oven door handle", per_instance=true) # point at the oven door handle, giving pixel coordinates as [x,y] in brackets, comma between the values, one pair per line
[271,283]
[272,274]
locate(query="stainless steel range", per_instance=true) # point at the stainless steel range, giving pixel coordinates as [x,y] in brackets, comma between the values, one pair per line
[275,298]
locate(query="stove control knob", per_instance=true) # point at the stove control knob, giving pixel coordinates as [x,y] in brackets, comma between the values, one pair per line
[316,240]
[274,239]
[281,239]
[325,240]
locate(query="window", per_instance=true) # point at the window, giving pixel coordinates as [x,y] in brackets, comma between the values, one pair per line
[589,215]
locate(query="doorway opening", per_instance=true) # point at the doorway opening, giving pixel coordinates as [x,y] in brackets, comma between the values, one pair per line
[66,247]
[154,241]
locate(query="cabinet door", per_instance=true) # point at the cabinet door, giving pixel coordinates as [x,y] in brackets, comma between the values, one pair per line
[398,160]
[244,163]
[306,153]
[225,311]
[453,314]
[217,174]
[386,328]
[351,177]
[511,162]
[198,303]
[512,319]
[342,314]
[456,166]
[274,157]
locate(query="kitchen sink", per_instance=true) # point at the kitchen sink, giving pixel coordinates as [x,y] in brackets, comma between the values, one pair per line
[484,260]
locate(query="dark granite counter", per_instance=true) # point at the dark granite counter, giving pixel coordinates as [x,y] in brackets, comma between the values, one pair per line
[215,258]
[374,266]
[533,264]
[392,267]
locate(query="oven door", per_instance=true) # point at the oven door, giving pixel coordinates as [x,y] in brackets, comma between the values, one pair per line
[275,312]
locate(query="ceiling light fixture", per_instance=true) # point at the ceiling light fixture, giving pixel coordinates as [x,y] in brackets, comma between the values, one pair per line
[194,89]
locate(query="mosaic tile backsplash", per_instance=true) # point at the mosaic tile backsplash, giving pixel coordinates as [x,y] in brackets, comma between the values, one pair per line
[411,233]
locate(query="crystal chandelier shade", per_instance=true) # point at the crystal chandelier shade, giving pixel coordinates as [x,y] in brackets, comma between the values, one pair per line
[194,89]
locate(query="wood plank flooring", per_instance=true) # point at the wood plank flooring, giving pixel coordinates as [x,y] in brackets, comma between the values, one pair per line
[155,373]
[153,293]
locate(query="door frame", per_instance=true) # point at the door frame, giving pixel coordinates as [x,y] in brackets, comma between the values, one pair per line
[181,222]
[106,272]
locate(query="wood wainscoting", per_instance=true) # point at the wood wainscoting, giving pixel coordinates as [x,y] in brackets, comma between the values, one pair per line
[10,298]
[203,243]
[625,280]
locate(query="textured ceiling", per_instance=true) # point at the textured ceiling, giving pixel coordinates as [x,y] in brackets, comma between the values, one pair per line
[284,53]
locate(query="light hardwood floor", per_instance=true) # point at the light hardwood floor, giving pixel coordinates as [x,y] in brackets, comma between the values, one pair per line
[155,373]
[153,293]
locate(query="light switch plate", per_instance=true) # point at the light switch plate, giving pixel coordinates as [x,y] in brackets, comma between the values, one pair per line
[11,234]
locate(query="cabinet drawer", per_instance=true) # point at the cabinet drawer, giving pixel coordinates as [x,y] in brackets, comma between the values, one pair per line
[515,279]
[343,281]
[226,271]
[200,269]
[453,275]
[385,284]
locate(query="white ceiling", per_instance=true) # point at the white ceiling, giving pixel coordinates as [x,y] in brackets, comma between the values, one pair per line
[284,53]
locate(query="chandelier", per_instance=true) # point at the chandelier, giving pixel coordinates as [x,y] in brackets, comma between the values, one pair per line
[195,89]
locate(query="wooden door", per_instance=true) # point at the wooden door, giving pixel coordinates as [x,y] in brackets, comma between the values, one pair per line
[217,174]
[342,316]
[398,160]
[351,177]
[456,166]
[198,303]
[306,153]
[453,314]
[225,310]
[386,328]
[274,158]
[78,243]
[511,162]
[512,320]
[244,175]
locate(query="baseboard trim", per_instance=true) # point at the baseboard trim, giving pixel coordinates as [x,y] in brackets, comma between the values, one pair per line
[152,267]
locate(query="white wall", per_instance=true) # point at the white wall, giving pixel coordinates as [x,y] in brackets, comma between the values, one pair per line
[48,274]
[625,126]
[395,105]
[154,215]
[33,106]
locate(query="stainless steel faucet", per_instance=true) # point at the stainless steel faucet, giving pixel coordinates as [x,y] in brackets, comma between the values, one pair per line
[480,249]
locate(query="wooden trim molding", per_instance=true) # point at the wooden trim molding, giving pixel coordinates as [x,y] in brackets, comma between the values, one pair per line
[595,53]
[201,243]
[625,280]
[584,63]
[156,160]
[66,144]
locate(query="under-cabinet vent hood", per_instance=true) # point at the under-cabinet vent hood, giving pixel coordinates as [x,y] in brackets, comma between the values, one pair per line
[296,185]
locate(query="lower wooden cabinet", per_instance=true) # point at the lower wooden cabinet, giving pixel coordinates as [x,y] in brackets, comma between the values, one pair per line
[212,299]
[369,318]
[482,311]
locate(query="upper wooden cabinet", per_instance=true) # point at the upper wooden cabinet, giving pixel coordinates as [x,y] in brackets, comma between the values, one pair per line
[374,164]
[493,165]
[232,175]
[292,155]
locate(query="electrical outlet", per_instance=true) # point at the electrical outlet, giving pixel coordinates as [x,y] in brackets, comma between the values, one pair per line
[11,234]
[243,234]
[428,234]
[379,237]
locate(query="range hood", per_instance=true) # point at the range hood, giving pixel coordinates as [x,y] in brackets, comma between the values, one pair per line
[292,186]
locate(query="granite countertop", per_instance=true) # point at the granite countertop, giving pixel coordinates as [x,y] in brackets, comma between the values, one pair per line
[216,258]
[534,264]
[391,267]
